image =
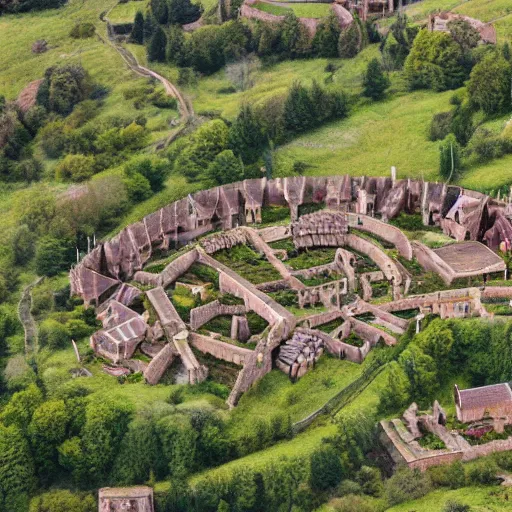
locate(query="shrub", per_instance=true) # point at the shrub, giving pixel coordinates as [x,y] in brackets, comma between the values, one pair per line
[455,506]
[483,473]
[82,30]
[53,139]
[370,481]
[18,374]
[452,476]
[489,84]
[487,146]
[406,485]
[63,501]
[375,81]
[326,469]
[63,87]
[75,168]
[353,503]
[440,126]
[51,256]
[53,334]
[434,62]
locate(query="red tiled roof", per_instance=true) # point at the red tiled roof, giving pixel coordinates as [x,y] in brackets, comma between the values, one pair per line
[485,396]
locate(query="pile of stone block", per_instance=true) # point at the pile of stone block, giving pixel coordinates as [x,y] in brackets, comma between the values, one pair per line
[299,354]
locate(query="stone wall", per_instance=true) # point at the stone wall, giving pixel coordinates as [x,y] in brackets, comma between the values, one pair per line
[203,314]
[219,349]
[383,230]
[124,255]
[370,333]
[482,450]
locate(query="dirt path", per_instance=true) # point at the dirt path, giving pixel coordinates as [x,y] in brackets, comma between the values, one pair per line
[185,107]
[26,318]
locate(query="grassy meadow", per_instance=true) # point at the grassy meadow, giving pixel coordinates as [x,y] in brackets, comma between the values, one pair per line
[125,13]
[301,10]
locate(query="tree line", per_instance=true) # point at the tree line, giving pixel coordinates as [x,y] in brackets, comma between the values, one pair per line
[209,48]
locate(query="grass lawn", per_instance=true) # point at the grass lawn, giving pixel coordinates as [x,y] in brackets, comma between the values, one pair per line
[372,139]
[125,13]
[489,176]
[275,393]
[300,10]
[481,499]
[269,81]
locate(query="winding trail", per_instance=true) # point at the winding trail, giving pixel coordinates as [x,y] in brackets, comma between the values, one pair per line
[185,107]
[26,318]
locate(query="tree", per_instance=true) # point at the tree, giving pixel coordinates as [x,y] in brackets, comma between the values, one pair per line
[507,55]
[106,422]
[437,341]
[23,243]
[149,27]
[247,135]
[153,169]
[225,168]
[182,12]
[178,445]
[298,109]
[47,431]
[208,140]
[489,84]
[63,87]
[294,38]
[51,256]
[398,42]
[282,481]
[326,470]
[176,47]
[17,477]
[75,168]
[137,35]
[21,407]
[449,157]
[141,439]
[349,44]
[325,42]
[160,11]
[157,46]
[421,372]
[435,62]
[464,34]
[394,397]
[375,82]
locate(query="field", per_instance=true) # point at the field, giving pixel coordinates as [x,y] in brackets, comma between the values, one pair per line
[300,10]
[481,499]
[125,13]
[374,138]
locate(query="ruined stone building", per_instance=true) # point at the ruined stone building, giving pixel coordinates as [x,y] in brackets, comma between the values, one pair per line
[126,499]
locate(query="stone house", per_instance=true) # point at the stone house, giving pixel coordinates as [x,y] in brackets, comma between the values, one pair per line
[475,404]
[126,499]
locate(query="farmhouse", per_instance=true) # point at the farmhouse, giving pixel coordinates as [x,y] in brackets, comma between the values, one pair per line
[475,404]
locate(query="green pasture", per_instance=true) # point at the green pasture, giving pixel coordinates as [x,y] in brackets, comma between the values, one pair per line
[480,499]
[374,138]
[125,13]
[306,10]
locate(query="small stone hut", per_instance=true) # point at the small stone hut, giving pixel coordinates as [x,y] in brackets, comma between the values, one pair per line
[475,404]
[126,499]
